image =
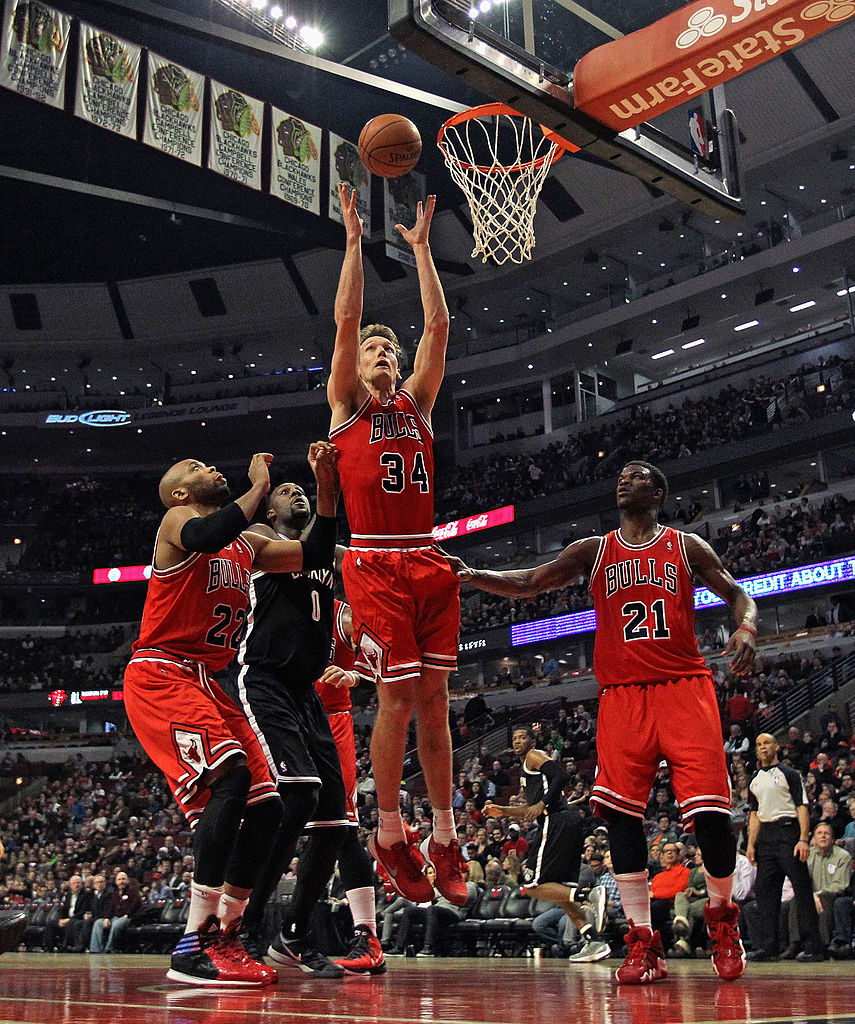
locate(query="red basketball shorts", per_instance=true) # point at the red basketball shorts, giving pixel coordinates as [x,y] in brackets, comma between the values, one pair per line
[641,725]
[187,725]
[406,612]
[341,724]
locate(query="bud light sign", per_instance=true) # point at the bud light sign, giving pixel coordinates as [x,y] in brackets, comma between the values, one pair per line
[96,418]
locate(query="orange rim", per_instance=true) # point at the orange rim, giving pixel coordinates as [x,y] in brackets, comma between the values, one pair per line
[492,110]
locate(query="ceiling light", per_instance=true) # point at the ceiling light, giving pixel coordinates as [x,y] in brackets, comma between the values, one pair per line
[291,22]
[276,12]
[801,306]
[311,36]
[797,270]
[694,344]
[746,325]
[843,291]
[473,12]
[661,355]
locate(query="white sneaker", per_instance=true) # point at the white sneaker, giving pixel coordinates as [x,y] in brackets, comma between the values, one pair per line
[592,951]
[597,902]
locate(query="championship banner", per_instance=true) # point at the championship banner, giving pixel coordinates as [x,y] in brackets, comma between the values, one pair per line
[401,197]
[706,43]
[295,162]
[345,165]
[173,117]
[235,149]
[107,79]
[35,48]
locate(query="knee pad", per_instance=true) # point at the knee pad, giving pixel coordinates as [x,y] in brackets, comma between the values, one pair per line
[627,843]
[717,843]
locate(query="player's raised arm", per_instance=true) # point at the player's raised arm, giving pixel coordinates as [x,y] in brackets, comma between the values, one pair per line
[707,566]
[429,364]
[343,385]
[576,560]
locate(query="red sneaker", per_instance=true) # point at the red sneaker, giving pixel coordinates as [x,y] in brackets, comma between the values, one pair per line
[448,865]
[645,958]
[365,955]
[404,871]
[205,957]
[231,945]
[728,955]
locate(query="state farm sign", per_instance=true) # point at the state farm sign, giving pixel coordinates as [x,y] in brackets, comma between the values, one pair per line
[631,80]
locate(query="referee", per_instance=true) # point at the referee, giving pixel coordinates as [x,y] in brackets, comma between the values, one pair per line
[778,831]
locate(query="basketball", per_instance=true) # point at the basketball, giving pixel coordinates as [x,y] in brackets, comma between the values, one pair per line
[390,145]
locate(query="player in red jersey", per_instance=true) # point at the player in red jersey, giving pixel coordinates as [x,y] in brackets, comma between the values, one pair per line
[657,700]
[198,737]
[354,866]
[404,596]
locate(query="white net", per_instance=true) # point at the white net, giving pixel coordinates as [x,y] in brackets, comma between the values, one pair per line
[500,161]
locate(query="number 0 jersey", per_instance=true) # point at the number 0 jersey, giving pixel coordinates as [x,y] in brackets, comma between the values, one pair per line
[196,609]
[644,599]
[386,470]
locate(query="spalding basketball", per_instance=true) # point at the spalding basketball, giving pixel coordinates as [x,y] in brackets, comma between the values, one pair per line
[390,145]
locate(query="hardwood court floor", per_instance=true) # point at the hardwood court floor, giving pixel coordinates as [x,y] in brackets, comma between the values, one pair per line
[40,988]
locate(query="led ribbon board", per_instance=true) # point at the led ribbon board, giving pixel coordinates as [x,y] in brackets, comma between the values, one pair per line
[768,584]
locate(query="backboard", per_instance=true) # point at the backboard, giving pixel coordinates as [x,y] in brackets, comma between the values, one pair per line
[523,53]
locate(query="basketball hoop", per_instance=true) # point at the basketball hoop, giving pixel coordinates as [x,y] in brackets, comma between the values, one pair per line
[502,193]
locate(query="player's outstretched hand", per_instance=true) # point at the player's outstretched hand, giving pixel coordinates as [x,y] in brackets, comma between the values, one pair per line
[492,810]
[337,676]
[349,213]
[418,233]
[259,473]
[460,569]
[741,646]
[323,458]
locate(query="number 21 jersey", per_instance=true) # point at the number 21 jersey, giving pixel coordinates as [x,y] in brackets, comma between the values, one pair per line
[386,470]
[644,600]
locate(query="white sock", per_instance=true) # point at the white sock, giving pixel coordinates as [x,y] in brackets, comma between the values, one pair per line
[443,826]
[390,829]
[720,890]
[635,897]
[231,908]
[204,901]
[361,903]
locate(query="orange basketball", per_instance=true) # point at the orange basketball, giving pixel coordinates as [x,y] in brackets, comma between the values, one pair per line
[390,145]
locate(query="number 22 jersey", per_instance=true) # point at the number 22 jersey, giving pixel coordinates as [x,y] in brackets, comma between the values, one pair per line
[386,470]
[644,600]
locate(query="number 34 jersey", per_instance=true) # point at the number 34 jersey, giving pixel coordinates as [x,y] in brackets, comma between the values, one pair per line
[386,469]
[644,600]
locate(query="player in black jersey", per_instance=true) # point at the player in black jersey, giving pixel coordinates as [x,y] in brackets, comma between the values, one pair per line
[554,858]
[286,647]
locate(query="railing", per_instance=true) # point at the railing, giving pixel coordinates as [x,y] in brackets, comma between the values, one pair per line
[783,711]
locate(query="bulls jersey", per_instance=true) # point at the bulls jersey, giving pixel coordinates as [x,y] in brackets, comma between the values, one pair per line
[386,470]
[337,698]
[643,597]
[289,623]
[196,610]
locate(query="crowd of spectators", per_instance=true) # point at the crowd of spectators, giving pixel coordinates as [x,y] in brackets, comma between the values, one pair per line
[36,662]
[680,430]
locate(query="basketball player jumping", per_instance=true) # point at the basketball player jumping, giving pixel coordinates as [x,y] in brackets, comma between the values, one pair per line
[404,596]
[194,610]
[656,700]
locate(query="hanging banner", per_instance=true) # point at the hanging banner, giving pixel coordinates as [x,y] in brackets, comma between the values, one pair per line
[295,162]
[35,48]
[401,197]
[345,165]
[235,149]
[173,117]
[107,79]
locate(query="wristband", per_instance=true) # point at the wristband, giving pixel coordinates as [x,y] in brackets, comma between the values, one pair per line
[802,841]
[748,629]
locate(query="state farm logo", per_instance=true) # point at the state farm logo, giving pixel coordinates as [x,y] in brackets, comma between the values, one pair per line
[831,10]
[702,24]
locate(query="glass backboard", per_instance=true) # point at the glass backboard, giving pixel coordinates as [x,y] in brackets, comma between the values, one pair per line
[523,53]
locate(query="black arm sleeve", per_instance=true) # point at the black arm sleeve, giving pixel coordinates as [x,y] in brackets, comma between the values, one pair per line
[558,778]
[213,532]
[319,545]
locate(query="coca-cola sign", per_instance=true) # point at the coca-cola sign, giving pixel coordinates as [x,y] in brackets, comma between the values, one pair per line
[471,524]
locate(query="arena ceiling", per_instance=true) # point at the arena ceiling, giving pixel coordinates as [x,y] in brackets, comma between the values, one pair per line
[83,205]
